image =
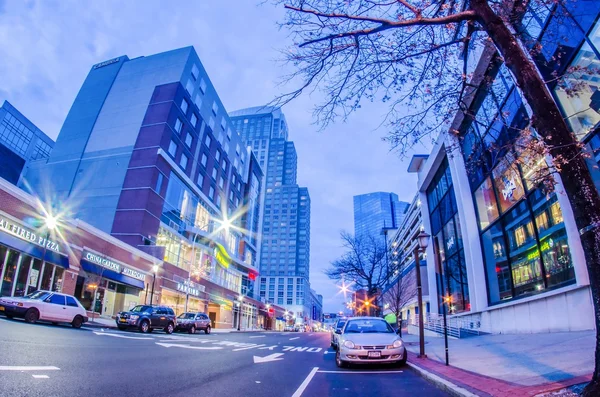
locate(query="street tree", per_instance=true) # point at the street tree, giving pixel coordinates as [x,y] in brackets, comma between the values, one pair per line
[403,290]
[365,263]
[407,53]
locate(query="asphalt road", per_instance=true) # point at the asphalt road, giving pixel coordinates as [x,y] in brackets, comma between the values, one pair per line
[48,360]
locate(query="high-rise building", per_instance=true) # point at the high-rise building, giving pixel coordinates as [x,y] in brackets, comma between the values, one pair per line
[285,249]
[376,212]
[20,142]
[148,154]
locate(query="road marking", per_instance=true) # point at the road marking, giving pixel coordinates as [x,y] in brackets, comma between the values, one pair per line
[257,381]
[188,346]
[304,384]
[360,372]
[40,376]
[258,336]
[123,336]
[297,337]
[246,348]
[328,352]
[27,368]
[310,334]
[268,347]
[269,358]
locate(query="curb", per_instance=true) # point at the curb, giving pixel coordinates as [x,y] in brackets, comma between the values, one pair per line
[98,325]
[442,383]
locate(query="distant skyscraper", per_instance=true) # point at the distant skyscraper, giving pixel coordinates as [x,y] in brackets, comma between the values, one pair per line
[375,211]
[285,249]
[20,142]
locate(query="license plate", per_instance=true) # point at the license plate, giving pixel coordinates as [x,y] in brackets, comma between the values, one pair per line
[374,354]
[122,320]
[2,308]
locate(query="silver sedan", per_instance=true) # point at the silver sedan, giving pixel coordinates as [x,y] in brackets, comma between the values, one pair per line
[369,340]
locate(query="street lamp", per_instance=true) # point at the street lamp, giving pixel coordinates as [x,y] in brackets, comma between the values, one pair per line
[423,241]
[241,299]
[154,270]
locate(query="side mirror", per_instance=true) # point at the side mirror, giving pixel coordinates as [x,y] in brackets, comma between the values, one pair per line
[338,331]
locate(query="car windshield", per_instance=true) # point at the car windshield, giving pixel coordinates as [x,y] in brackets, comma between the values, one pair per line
[141,309]
[368,326]
[41,295]
[186,315]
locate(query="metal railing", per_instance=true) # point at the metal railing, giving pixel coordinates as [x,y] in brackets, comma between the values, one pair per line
[457,327]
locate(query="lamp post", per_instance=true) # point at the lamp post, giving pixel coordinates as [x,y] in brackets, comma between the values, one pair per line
[241,299]
[154,270]
[423,241]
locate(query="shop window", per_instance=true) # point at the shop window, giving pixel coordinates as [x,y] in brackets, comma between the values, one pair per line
[485,201]
[496,263]
[557,259]
[541,221]
[579,91]
[556,213]
[508,183]
[527,272]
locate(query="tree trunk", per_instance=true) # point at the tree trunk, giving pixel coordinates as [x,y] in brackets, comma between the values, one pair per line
[549,123]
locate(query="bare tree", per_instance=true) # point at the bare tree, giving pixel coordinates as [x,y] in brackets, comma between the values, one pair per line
[364,263]
[400,293]
[408,54]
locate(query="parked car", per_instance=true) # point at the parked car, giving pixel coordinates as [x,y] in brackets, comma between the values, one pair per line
[288,328]
[369,340]
[191,322]
[46,306]
[146,318]
[339,324]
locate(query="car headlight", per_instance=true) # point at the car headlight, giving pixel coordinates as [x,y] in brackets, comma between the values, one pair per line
[349,344]
[134,317]
[395,345]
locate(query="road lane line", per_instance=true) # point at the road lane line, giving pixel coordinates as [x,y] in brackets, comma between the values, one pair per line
[40,376]
[259,336]
[167,345]
[304,384]
[27,368]
[247,348]
[123,336]
[297,337]
[360,372]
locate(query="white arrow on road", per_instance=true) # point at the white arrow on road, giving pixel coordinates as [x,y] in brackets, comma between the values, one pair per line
[189,347]
[266,359]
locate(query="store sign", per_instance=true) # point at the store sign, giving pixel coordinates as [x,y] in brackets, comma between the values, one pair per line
[106,63]
[189,287]
[28,235]
[110,264]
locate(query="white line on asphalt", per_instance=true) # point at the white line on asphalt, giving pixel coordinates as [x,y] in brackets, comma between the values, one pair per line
[40,376]
[310,334]
[247,348]
[27,368]
[360,372]
[304,384]
[297,337]
[189,347]
[123,336]
[259,336]
[328,352]
[269,358]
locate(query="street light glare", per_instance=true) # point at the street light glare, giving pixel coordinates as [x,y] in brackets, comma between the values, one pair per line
[155,268]
[51,222]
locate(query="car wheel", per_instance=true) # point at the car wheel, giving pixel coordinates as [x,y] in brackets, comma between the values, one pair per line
[32,315]
[207,330]
[192,330]
[338,360]
[402,362]
[170,328]
[77,321]
[121,328]
[145,327]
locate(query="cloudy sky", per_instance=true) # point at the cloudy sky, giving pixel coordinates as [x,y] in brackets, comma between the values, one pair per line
[48,47]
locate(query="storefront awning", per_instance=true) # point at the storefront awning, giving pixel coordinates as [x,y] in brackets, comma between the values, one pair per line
[111,275]
[34,250]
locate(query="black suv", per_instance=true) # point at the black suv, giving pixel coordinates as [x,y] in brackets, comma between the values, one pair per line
[146,318]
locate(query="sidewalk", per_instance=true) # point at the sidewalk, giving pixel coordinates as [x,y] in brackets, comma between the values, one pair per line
[509,365]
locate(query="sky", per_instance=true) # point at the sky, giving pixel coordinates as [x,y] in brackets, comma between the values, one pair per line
[48,47]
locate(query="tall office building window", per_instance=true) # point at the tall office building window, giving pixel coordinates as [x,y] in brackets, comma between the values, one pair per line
[172,148]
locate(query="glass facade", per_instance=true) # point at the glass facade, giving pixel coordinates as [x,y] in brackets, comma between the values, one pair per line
[375,211]
[447,239]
